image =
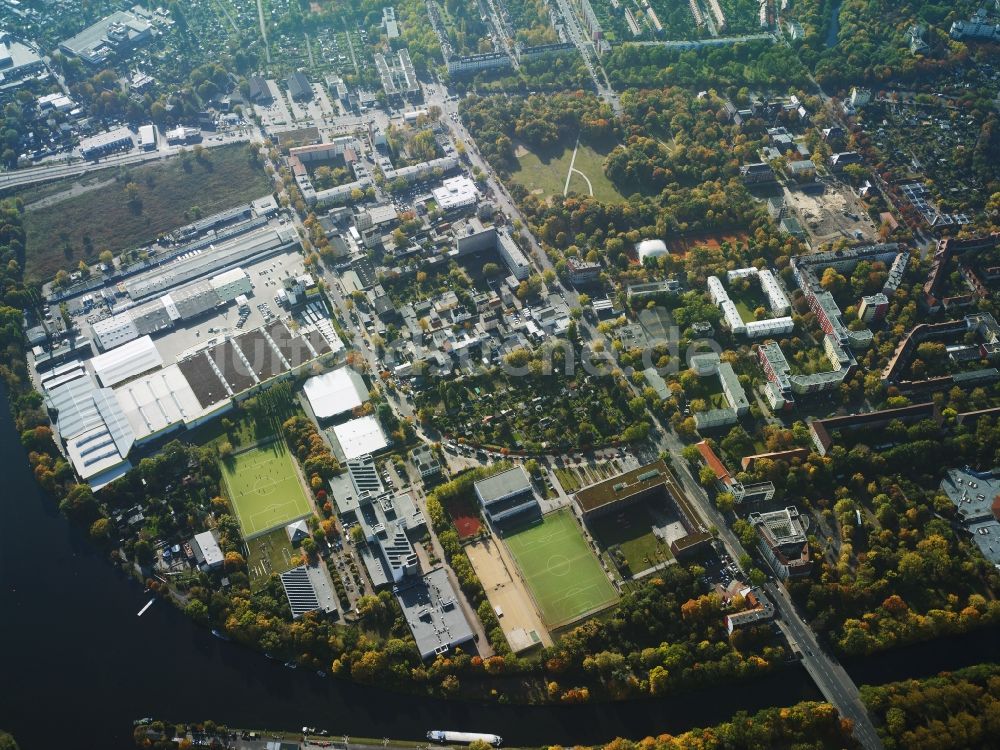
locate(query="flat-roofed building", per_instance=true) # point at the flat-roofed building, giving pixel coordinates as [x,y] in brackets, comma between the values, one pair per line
[98,145]
[425,461]
[583,271]
[308,589]
[506,494]
[433,614]
[359,436]
[18,60]
[147,137]
[646,482]
[456,192]
[207,552]
[653,288]
[112,36]
[228,285]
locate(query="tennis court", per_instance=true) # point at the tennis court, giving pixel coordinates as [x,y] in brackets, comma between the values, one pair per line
[563,575]
[264,488]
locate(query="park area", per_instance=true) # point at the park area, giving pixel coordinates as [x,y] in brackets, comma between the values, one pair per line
[630,531]
[562,573]
[545,173]
[76,218]
[264,489]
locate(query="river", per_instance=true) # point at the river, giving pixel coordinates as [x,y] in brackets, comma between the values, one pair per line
[79,662]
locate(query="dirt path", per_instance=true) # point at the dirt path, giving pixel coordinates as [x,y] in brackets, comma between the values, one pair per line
[78,188]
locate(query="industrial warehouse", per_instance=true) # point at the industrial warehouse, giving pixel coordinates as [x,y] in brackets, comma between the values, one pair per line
[153,372]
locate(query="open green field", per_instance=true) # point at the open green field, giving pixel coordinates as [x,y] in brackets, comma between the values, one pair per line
[264,488]
[77,223]
[631,530]
[269,553]
[545,173]
[565,578]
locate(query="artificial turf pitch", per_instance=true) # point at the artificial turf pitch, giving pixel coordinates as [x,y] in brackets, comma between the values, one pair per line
[563,575]
[264,489]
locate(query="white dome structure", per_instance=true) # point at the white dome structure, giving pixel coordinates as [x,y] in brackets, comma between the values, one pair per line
[651,249]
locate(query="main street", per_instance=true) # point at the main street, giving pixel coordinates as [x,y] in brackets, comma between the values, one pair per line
[831,679]
[578,36]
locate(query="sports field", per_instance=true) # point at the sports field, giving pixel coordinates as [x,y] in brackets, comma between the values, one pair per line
[264,489]
[563,575]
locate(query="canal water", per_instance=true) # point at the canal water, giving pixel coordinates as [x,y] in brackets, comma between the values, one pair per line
[78,662]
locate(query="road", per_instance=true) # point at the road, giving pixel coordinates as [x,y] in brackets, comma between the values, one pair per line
[263,32]
[831,679]
[579,37]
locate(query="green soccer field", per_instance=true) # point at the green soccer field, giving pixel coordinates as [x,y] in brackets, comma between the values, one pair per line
[564,576]
[264,489]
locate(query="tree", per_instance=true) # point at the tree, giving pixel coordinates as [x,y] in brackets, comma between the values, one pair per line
[357,535]
[832,281]
[234,561]
[107,258]
[144,553]
[7,742]
[99,530]
[132,194]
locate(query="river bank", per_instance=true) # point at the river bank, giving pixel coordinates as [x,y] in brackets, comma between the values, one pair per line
[79,659]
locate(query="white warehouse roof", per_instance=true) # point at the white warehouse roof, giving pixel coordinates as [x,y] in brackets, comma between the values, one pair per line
[158,402]
[651,249]
[225,278]
[335,392]
[126,361]
[360,436]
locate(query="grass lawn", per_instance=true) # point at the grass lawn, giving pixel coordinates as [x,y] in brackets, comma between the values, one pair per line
[631,530]
[748,301]
[565,578]
[269,553]
[62,233]
[264,489]
[545,173]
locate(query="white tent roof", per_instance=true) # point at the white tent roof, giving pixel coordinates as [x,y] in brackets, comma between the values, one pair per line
[651,249]
[126,361]
[335,392]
